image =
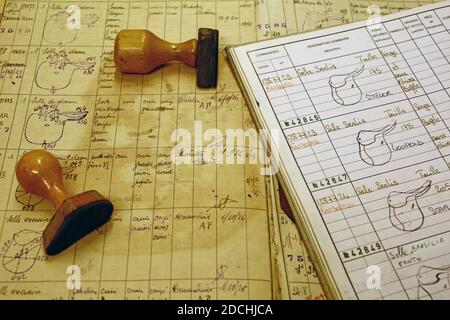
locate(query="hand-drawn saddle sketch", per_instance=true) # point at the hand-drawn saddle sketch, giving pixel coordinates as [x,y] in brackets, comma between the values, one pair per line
[56,72]
[57,28]
[344,88]
[22,251]
[45,126]
[405,212]
[432,281]
[315,19]
[373,148]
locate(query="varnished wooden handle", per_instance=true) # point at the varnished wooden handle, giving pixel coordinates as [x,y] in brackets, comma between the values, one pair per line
[140,51]
[39,172]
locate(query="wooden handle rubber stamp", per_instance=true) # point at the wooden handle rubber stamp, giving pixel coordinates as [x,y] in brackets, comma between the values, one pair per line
[140,51]
[39,172]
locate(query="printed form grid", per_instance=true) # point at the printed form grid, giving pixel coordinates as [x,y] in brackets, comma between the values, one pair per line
[292,17]
[366,236]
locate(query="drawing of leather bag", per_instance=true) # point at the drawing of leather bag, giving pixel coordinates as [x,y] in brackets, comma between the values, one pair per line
[46,125]
[22,251]
[432,280]
[373,148]
[344,88]
[405,212]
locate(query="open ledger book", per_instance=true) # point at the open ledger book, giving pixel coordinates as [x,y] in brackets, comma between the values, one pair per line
[362,113]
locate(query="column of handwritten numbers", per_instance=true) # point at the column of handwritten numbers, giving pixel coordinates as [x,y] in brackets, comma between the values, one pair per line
[15,89]
[298,270]
[302,278]
[315,289]
[7,105]
[6,113]
[10,100]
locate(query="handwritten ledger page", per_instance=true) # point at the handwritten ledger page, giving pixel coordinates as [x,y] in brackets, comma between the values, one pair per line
[364,111]
[195,231]
[297,277]
[277,18]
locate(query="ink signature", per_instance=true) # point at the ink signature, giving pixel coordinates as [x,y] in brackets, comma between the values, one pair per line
[221,203]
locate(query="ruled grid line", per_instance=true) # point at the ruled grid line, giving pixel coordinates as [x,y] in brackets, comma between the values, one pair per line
[105,228]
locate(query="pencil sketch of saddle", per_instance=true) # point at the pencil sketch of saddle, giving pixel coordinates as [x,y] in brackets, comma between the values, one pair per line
[405,212]
[57,70]
[58,30]
[45,125]
[432,281]
[373,148]
[22,251]
[344,88]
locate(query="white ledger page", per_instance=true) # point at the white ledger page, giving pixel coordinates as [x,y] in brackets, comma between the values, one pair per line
[365,114]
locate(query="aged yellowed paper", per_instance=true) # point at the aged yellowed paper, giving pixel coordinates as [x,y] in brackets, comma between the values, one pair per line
[277,18]
[187,231]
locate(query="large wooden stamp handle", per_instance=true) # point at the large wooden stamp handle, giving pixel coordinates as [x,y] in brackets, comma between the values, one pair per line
[140,51]
[39,172]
